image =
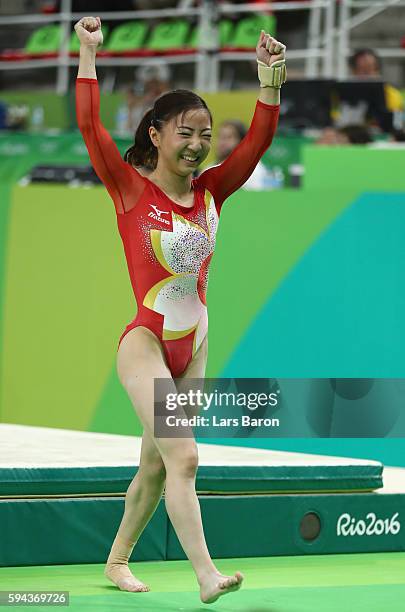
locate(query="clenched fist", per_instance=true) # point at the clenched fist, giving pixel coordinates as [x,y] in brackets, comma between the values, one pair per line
[269,50]
[88,29]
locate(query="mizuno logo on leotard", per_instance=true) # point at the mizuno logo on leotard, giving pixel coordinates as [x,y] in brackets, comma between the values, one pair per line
[158,214]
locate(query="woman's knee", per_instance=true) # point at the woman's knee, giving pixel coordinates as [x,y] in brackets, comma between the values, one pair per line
[184,462]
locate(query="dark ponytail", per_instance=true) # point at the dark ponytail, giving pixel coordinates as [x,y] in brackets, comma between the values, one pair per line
[143,152]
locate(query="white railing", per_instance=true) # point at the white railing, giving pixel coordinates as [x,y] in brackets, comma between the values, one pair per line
[328,39]
[206,58]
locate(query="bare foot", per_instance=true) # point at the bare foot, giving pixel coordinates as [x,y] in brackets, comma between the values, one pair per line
[123,578]
[217,584]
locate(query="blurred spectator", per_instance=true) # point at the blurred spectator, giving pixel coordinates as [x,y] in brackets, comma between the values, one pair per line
[332,136]
[356,134]
[151,82]
[365,64]
[13,116]
[18,117]
[230,133]
[397,136]
[350,134]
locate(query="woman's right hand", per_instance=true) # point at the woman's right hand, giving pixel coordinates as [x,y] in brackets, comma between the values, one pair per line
[88,29]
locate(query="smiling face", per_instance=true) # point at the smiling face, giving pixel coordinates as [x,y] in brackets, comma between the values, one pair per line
[184,141]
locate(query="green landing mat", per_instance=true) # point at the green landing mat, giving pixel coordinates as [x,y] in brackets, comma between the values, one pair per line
[39,462]
[334,583]
[222,479]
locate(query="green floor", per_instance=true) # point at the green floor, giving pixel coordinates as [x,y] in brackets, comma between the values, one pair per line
[327,583]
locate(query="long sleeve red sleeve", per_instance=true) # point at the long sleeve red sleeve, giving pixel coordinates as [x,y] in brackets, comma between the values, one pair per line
[124,183]
[222,180]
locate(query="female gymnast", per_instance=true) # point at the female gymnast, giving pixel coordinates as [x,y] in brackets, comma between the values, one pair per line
[167,221]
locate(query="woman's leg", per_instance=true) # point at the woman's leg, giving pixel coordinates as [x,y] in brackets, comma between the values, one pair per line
[213,583]
[141,501]
[140,361]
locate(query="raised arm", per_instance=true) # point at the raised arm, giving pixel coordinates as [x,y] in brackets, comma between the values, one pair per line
[124,183]
[224,179]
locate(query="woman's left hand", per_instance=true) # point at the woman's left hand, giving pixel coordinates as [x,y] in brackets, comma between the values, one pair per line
[269,50]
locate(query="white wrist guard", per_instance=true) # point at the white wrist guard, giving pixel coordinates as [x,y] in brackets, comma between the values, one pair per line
[272,76]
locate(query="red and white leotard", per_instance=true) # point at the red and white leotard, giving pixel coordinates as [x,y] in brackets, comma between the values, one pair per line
[168,247]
